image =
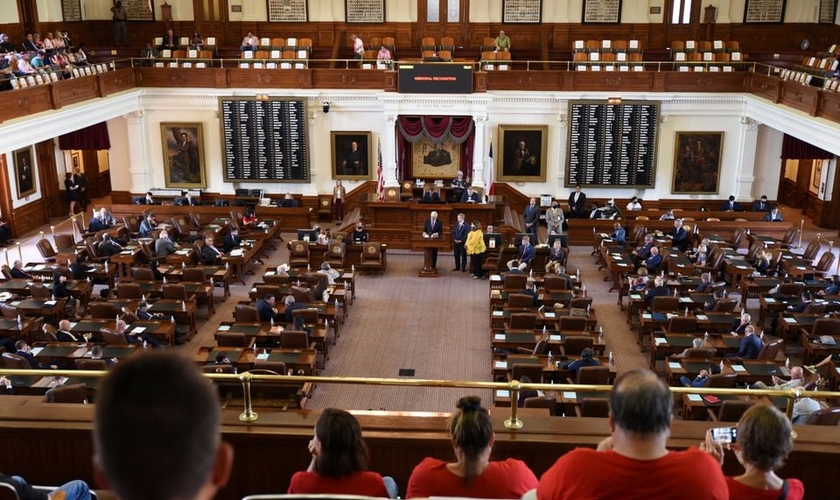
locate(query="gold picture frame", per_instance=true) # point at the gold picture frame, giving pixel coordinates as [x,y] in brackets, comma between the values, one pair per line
[24,172]
[183,155]
[350,164]
[435,161]
[697,159]
[514,164]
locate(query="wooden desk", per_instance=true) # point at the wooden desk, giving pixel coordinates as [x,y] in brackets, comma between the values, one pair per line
[214,275]
[816,350]
[182,310]
[300,361]
[289,219]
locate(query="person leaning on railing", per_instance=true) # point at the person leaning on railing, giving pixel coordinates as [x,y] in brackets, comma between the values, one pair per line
[763,442]
[472,474]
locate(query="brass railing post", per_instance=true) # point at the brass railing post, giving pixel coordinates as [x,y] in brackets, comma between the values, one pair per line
[248,414]
[513,422]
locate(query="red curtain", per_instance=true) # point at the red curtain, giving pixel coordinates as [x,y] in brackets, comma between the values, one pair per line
[94,137]
[436,129]
[794,149]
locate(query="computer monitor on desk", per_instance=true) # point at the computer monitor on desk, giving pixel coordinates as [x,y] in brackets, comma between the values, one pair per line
[564,239]
[307,235]
[493,240]
[138,200]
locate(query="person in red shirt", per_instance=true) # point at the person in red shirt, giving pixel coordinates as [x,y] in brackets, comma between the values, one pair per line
[339,461]
[249,220]
[633,463]
[763,442]
[473,474]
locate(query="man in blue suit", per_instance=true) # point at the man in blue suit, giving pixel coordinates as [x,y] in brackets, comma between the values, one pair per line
[459,241]
[773,216]
[678,236]
[750,345]
[731,205]
[470,196]
[652,263]
[532,218]
[524,256]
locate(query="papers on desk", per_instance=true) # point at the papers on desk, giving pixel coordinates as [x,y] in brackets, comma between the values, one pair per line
[801,268]
[262,225]
[660,340]
[695,398]
[674,365]
[73,324]
[603,235]
[90,270]
[126,252]
[647,315]
[40,267]
[702,317]
[741,267]
[183,252]
[770,300]
[49,303]
[500,365]
[495,277]
[635,296]
[498,313]
[499,336]
[738,368]
[36,351]
[15,303]
[790,320]
[237,252]
[569,395]
[556,338]
[270,273]
[671,315]
[224,328]
[253,289]
[685,299]
[502,393]
[549,314]
[262,356]
[139,329]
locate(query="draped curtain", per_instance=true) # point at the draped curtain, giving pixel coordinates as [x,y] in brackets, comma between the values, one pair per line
[435,129]
[94,137]
[794,149]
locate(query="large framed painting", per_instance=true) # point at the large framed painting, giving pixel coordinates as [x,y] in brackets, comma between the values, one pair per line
[697,163]
[521,11]
[764,11]
[351,155]
[183,155]
[24,172]
[523,156]
[364,11]
[287,11]
[139,10]
[435,161]
[602,11]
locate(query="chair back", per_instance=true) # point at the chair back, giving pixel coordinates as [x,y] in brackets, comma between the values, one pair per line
[11,360]
[75,393]
[515,281]
[174,291]
[129,291]
[826,326]
[812,250]
[542,402]
[8,312]
[102,310]
[731,411]
[520,300]
[573,345]
[64,241]
[91,364]
[299,250]
[372,252]
[791,288]
[217,368]
[39,291]
[581,302]
[666,303]
[826,416]
[335,254]
[552,283]
[790,235]
[725,305]
[825,262]
[594,375]
[45,249]
[112,337]
[142,274]
[194,275]
[701,352]
[291,339]
[595,407]
[721,380]
[7,271]
[309,315]
[571,324]
[301,294]
[231,339]
[244,313]
[682,324]
[523,321]
[530,370]
[771,350]
[541,347]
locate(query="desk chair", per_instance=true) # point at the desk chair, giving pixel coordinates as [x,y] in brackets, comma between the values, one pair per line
[553,283]
[310,316]
[594,375]
[520,300]
[232,339]
[665,304]
[64,242]
[729,411]
[701,352]
[530,370]
[39,291]
[539,349]
[721,380]
[771,350]
[244,313]
[335,254]
[571,324]
[593,407]
[217,369]
[13,361]
[46,249]
[575,344]
[91,364]
[75,393]
[523,321]
[371,257]
[291,339]
[812,250]
[542,402]
[681,324]
[129,291]
[826,416]
[514,282]
[112,337]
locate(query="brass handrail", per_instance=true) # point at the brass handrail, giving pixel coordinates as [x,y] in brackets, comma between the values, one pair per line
[514,386]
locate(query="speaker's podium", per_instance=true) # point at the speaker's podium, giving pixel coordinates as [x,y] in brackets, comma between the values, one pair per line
[428,246]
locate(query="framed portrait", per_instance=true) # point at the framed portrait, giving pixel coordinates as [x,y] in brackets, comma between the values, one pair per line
[352,155]
[183,155]
[697,160]
[523,155]
[24,172]
[435,161]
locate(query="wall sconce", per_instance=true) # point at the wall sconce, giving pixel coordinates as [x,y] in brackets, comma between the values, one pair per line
[326,107]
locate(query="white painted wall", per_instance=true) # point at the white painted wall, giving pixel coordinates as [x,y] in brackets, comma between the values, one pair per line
[768,163]
[9,13]
[48,10]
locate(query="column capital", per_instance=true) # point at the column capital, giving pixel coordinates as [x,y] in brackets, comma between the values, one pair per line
[481,119]
[134,117]
[391,119]
[748,123]
[563,120]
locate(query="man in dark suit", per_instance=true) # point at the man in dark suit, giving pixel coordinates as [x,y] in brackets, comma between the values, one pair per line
[524,256]
[761,205]
[164,246]
[108,247]
[678,236]
[23,350]
[640,254]
[731,205]
[433,229]
[232,240]
[750,345]
[96,224]
[81,181]
[773,216]
[659,289]
[291,307]
[65,335]
[459,240]
[530,289]
[587,358]
[359,236]
[739,326]
[705,282]
[531,215]
[431,196]
[170,41]
[19,273]
[577,203]
[653,262]
[209,253]
[470,196]
[267,310]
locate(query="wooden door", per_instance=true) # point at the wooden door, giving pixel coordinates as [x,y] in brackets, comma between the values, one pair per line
[51,193]
[28,14]
[211,20]
[682,20]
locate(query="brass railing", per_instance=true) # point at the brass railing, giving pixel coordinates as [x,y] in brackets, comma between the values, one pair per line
[514,422]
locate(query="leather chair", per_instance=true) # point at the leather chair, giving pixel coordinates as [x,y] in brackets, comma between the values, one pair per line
[520,300]
[542,402]
[552,283]
[15,362]
[721,380]
[111,337]
[194,275]
[75,393]
[175,291]
[292,339]
[824,326]
[102,310]
[573,345]
[571,324]
[46,250]
[771,350]
[514,282]
[64,242]
[737,238]
[665,304]
[142,274]
[232,339]
[812,250]
[39,291]
[826,416]
[243,313]
[729,411]
[523,321]
[593,407]
[132,225]
[371,257]
[324,207]
[593,375]
[531,370]
[8,312]
[336,254]
[45,334]
[701,352]
[217,369]
[725,305]
[581,302]
[789,237]
[129,291]
[539,349]
[681,324]
[299,254]
[91,364]
[791,288]
[7,271]
[301,294]
[825,264]
[309,315]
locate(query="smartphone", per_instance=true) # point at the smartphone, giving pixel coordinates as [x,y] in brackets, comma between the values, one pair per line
[724,435]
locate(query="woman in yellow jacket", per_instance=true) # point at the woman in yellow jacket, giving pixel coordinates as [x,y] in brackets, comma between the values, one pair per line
[475,248]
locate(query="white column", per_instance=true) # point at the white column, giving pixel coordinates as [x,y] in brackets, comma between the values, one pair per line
[479,151]
[137,146]
[389,151]
[745,175]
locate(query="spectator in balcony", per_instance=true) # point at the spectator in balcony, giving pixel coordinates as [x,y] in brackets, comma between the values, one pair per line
[149,53]
[196,41]
[49,43]
[384,54]
[358,47]
[38,62]
[761,205]
[472,474]
[80,56]
[5,44]
[773,216]
[29,44]
[250,42]
[731,205]
[170,41]
[502,42]
[120,16]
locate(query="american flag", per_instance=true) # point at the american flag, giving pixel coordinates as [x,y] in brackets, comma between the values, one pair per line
[488,171]
[380,179]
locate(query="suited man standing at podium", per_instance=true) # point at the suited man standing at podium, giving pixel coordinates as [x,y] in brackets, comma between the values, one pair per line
[433,229]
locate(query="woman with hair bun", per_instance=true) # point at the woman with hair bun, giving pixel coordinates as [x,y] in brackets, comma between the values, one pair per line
[473,474]
[339,461]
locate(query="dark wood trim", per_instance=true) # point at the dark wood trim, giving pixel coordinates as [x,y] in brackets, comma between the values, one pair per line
[51,196]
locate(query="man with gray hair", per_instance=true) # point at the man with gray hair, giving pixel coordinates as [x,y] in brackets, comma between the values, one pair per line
[634,457]
[181,456]
[433,229]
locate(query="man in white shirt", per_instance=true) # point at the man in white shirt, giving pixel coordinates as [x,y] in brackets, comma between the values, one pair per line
[250,42]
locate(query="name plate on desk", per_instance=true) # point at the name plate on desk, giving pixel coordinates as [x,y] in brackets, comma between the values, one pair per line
[696,398]
[738,368]
[499,336]
[569,395]
[501,393]
[660,341]
[556,338]
[500,365]
[674,365]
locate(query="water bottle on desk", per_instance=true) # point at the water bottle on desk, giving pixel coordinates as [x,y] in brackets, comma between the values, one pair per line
[550,358]
[611,359]
[787,363]
[721,366]
[706,337]
[600,334]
